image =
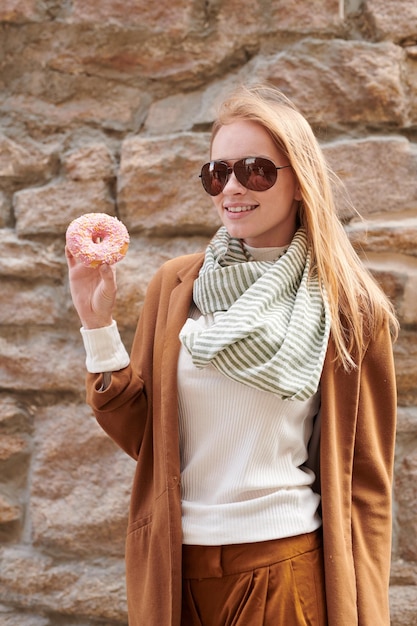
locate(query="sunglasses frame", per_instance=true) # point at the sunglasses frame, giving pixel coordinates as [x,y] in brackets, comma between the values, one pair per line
[235,169]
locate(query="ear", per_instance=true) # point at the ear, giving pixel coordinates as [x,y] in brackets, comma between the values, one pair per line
[297,194]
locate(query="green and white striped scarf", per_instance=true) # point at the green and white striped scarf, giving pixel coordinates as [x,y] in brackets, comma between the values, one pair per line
[271,322]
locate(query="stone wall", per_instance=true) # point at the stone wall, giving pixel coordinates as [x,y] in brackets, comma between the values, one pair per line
[106,106]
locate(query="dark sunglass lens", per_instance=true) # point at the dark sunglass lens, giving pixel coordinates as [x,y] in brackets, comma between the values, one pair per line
[214,177]
[256,173]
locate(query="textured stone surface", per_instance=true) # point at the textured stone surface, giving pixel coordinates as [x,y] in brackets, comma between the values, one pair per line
[330,81]
[82,508]
[36,583]
[24,163]
[405,352]
[106,106]
[403,603]
[20,11]
[160,173]
[43,210]
[397,235]
[338,80]
[9,511]
[393,20]
[375,183]
[406,497]
[40,361]
[29,260]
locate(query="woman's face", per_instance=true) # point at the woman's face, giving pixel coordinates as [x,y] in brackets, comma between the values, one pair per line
[261,218]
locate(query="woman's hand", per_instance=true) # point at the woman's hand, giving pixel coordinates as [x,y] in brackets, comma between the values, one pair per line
[93,292]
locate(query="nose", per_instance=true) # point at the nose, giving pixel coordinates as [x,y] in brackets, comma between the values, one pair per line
[233,186]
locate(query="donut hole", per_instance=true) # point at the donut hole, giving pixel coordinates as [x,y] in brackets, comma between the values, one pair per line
[98,237]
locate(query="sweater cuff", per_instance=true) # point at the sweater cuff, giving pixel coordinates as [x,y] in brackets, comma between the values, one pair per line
[104,348]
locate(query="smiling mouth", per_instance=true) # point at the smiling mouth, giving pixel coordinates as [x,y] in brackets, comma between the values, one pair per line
[240,209]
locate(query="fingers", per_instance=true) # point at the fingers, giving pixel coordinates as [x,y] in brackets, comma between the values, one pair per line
[98,284]
[108,274]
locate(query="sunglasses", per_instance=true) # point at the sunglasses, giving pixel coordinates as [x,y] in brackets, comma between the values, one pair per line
[255,173]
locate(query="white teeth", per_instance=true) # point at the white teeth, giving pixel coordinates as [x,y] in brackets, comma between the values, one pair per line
[239,209]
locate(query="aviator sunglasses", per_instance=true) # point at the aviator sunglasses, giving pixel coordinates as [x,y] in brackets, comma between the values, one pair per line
[255,173]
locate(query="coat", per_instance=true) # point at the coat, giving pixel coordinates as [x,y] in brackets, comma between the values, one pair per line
[358,410]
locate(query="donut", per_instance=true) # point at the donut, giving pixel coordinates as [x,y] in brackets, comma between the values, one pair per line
[97,238]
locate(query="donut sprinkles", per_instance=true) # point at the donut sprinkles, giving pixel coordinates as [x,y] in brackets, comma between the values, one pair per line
[97,238]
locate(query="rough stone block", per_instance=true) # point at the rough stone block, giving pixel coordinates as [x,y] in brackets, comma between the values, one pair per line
[9,511]
[375,183]
[50,209]
[392,20]
[403,602]
[405,351]
[159,190]
[90,162]
[20,11]
[14,418]
[12,617]
[80,486]
[120,110]
[80,588]
[25,303]
[25,259]
[43,361]
[10,445]
[26,164]
[338,81]
[280,16]
[406,499]
[394,235]
[160,17]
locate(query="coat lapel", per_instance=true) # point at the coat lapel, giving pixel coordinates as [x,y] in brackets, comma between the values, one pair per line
[178,307]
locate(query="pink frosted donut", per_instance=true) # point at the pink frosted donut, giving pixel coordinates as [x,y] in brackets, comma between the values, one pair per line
[97,238]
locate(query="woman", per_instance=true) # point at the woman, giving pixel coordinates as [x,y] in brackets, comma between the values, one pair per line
[259,399]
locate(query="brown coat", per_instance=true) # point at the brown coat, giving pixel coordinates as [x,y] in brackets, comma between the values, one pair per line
[139,411]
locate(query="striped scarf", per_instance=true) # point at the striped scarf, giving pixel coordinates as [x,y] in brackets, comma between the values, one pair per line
[271,322]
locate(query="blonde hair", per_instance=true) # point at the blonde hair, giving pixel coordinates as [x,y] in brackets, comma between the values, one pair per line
[358,305]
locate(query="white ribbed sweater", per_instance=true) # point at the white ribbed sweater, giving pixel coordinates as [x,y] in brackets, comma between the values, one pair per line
[242,452]
[241,455]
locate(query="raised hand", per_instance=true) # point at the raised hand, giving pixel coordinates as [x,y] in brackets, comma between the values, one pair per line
[93,292]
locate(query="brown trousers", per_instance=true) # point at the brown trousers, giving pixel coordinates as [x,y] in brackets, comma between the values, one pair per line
[271,583]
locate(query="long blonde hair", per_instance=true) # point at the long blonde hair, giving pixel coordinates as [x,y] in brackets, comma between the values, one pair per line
[358,305]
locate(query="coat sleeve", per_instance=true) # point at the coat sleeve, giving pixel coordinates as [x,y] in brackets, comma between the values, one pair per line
[372,481]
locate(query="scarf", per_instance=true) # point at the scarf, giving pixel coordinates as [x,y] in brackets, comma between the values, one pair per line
[271,321]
